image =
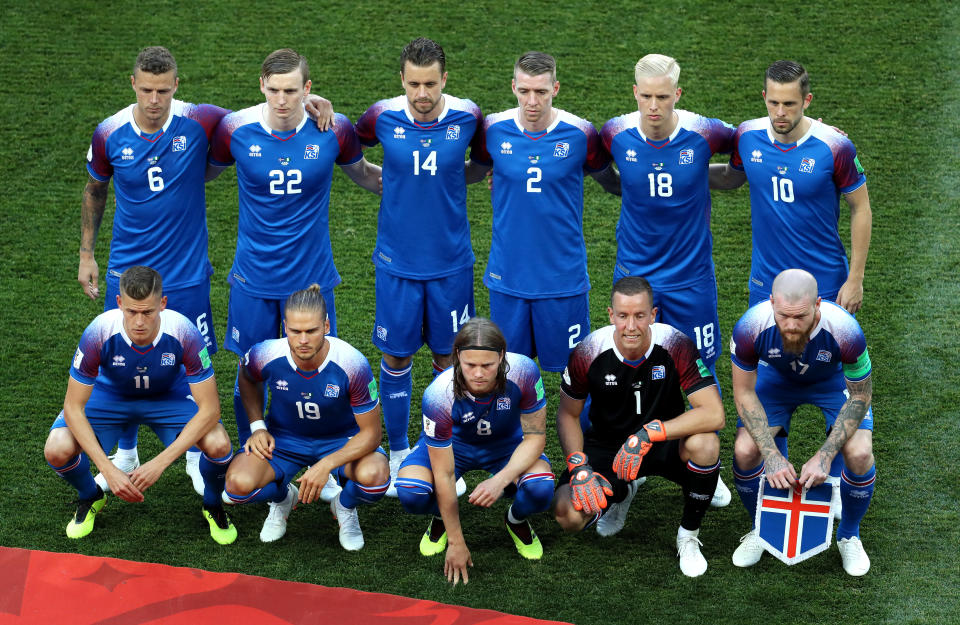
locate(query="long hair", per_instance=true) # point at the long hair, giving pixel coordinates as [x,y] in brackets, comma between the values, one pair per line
[479,333]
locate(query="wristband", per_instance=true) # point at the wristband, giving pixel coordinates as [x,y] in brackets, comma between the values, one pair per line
[257,425]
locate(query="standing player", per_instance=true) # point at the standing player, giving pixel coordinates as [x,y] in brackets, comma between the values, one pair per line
[284,171]
[155,151]
[140,363]
[537,271]
[813,353]
[423,257]
[486,412]
[663,155]
[797,168]
[324,415]
[636,373]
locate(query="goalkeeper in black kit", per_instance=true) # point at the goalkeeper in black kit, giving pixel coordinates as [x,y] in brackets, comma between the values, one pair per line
[640,376]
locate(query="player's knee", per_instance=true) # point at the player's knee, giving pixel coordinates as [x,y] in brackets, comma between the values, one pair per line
[374,470]
[416,496]
[240,483]
[858,457]
[216,443]
[745,450]
[397,362]
[569,519]
[60,447]
[537,490]
[702,448]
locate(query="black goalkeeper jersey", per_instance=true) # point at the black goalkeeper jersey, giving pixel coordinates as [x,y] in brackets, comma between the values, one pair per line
[626,396]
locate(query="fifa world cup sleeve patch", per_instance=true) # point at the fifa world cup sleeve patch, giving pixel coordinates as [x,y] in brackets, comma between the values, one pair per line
[858,370]
[539,388]
[205,358]
[429,426]
[372,387]
[77,359]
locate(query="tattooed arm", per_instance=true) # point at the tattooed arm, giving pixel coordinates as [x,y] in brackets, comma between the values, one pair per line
[527,452]
[780,473]
[91,214]
[817,469]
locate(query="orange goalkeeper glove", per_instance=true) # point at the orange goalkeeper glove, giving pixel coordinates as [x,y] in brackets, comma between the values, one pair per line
[627,462]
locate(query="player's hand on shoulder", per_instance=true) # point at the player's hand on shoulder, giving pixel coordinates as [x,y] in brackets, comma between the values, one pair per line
[320,109]
[456,563]
[261,444]
[588,490]
[850,297]
[88,275]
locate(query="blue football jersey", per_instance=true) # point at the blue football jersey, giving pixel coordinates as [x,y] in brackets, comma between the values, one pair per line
[664,229]
[313,404]
[836,343]
[107,358]
[537,250]
[161,210]
[795,200]
[491,421]
[422,227]
[283,184]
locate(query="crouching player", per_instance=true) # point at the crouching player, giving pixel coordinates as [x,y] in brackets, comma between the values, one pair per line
[137,364]
[487,412]
[636,372]
[324,414]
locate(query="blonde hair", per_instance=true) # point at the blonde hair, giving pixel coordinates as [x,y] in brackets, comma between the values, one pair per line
[654,65]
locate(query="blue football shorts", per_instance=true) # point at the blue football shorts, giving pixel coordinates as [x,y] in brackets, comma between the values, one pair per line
[413,312]
[109,414]
[547,329]
[252,319]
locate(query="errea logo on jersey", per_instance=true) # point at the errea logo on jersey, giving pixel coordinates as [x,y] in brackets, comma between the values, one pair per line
[467,417]
[773,352]
[179,143]
[453,132]
[506,148]
[561,150]
[119,361]
[632,156]
[756,156]
[611,379]
[255,151]
[282,385]
[398,133]
[686,157]
[126,154]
